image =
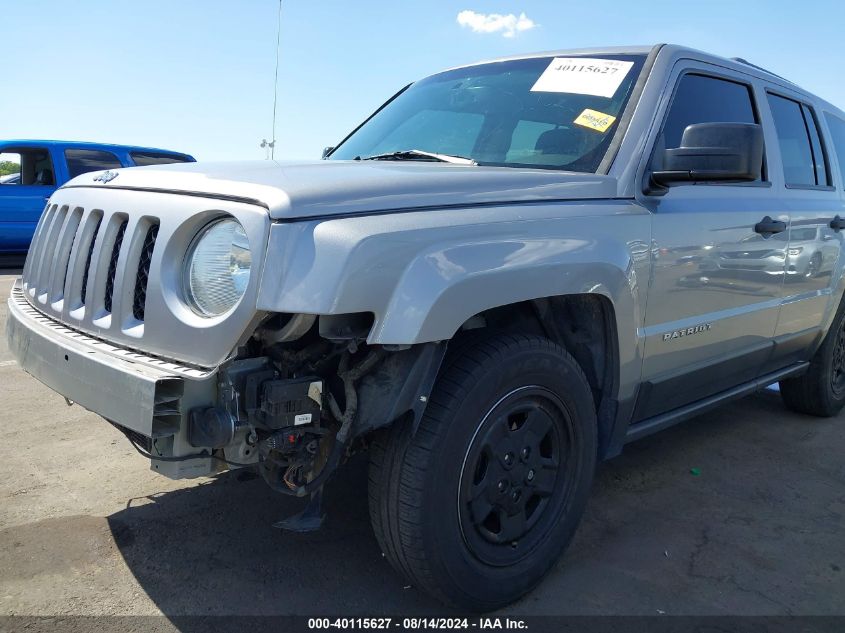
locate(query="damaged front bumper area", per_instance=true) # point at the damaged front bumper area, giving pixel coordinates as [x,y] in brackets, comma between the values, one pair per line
[145,397]
[294,400]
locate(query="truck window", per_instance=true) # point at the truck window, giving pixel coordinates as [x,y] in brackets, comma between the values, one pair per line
[800,147]
[144,159]
[81,161]
[26,166]
[837,134]
[703,99]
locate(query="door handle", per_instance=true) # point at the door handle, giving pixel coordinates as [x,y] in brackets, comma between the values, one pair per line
[837,224]
[767,226]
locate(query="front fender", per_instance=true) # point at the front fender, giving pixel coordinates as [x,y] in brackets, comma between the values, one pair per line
[423,274]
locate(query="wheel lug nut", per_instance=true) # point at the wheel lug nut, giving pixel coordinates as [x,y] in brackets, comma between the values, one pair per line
[508,459]
[515,496]
[530,476]
[526,452]
[503,485]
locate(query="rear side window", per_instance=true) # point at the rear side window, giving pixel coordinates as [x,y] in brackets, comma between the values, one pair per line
[144,159]
[837,133]
[81,161]
[800,145]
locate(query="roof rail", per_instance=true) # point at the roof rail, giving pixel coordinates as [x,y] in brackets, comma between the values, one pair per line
[748,63]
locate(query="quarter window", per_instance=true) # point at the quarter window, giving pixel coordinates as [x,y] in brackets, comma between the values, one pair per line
[800,146]
[81,161]
[837,133]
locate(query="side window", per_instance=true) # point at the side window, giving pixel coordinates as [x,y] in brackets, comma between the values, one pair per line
[81,161]
[819,158]
[800,146]
[837,133]
[703,99]
[144,159]
[26,166]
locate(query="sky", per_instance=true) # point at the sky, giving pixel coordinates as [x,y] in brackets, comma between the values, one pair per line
[197,75]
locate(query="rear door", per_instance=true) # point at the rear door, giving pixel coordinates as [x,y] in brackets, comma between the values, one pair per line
[22,198]
[814,246]
[715,291]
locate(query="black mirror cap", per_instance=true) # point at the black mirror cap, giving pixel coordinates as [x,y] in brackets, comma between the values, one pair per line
[327,151]
[714,152]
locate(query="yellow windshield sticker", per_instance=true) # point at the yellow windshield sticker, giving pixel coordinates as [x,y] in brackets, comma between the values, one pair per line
[594,120]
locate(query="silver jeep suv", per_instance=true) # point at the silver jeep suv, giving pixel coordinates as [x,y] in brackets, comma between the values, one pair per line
[506,273]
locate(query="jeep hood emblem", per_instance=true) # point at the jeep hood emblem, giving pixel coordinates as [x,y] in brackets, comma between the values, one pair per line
[106,176]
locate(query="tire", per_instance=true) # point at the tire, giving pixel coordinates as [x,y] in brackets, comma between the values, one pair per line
[430,491]
[821,391]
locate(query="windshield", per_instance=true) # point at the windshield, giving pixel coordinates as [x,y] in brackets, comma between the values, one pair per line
[545,112]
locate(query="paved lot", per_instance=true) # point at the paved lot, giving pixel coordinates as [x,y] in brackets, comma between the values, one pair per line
[86,528]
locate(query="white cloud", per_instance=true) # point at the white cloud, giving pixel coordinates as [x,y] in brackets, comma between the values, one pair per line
[509,25]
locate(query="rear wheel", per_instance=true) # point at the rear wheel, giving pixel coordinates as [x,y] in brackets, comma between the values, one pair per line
[479,503]
[821,391]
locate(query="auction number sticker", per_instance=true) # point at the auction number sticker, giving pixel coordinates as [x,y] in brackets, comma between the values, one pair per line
[583,76]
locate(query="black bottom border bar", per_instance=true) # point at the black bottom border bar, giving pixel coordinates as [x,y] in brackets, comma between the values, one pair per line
[516,623]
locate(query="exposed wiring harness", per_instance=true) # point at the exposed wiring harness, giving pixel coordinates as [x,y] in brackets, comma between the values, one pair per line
[349,376]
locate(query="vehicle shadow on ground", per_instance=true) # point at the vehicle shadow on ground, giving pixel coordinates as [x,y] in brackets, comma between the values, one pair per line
[212,550]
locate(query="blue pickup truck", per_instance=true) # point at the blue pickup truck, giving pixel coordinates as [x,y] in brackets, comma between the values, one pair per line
[47,165]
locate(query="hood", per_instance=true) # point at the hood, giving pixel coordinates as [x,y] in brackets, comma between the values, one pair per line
[325,188]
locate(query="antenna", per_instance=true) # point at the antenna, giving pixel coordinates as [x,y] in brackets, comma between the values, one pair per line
[271,145]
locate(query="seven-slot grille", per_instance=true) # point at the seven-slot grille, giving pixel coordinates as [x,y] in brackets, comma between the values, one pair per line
[81,261]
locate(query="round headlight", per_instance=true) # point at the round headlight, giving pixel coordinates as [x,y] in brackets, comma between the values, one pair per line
[217,268]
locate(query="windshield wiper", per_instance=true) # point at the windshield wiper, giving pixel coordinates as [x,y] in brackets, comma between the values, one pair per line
[418,154]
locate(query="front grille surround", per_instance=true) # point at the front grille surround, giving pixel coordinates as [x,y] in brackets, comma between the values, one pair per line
[147,311]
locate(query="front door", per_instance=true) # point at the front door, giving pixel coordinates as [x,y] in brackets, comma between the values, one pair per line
[715,291]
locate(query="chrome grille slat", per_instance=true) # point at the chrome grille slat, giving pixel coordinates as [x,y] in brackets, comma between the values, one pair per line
[45,257]
[38,240]
[139,295]
[61,256]
[115,256]
[95,219]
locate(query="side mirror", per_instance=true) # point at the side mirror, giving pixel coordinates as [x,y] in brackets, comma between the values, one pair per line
[327,151]
[714,152]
